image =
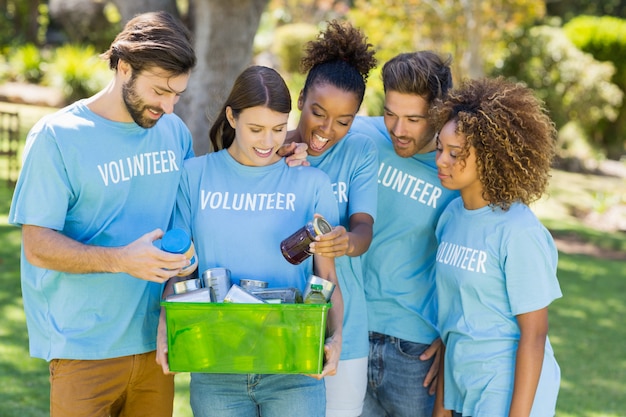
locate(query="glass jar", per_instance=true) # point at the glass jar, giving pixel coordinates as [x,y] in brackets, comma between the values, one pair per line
[295,248]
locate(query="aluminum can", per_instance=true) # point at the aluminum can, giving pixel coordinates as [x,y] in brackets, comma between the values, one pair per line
[187,285]
[295,248]
[288,295]
[252,284]
[218,280]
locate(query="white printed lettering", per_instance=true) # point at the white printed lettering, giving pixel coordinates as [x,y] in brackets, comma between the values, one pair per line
[246,201]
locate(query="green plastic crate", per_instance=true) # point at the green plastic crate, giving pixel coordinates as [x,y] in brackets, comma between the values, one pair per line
[246,338]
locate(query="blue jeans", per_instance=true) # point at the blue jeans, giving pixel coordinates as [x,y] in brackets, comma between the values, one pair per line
[241,395]
[395,379]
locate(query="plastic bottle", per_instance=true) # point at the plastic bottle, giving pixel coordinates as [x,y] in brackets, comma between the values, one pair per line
[315,296]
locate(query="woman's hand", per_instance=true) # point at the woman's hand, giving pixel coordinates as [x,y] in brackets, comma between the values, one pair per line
[332,244]
[332,351]
[161,355]
[294,153]
[339,241]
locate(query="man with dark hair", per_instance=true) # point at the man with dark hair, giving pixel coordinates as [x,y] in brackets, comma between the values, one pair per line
[106,169]
[398,268]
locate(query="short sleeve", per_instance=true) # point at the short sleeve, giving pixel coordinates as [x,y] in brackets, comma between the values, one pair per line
[530,265]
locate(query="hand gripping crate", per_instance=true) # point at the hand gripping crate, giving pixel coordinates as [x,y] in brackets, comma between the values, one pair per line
[246,338]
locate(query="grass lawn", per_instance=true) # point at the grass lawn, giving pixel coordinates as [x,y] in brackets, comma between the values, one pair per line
[586,325]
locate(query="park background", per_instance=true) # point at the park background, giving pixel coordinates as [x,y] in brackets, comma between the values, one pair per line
[571,52]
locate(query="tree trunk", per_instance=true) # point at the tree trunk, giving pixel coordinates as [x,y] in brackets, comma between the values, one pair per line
[472,58]
[128,9]
[78,18]
[223,38]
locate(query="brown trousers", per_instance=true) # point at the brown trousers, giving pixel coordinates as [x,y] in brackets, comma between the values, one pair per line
[130,386]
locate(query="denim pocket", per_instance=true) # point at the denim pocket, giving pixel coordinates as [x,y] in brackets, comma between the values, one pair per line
[410,349]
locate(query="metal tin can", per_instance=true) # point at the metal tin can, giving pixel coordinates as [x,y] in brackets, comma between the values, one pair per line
[295,248]
[178,241]
[252,284]
[218,280]
[288,295]
[187,285]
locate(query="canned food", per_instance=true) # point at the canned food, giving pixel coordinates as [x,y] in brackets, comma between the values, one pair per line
[178,241]
[295,248]
[187,285]
[252,284]
[218,280]
[279,295]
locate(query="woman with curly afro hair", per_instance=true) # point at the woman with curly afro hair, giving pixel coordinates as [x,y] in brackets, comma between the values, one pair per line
[337,64]
[496,263]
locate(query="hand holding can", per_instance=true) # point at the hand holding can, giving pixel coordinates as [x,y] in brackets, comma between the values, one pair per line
[295,248]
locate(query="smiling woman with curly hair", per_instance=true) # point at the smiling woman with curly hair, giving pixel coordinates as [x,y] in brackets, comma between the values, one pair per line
[496,263]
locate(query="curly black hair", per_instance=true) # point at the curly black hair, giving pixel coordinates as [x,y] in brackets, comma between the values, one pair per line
[340,56]
[512,134]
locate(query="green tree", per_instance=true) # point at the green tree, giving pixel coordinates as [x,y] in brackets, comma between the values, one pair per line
[20,22]
[576,88]
[568,9]
[470,30]
[605,38]
[223,31]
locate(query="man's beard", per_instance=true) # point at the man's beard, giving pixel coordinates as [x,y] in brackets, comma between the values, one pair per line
[135,105]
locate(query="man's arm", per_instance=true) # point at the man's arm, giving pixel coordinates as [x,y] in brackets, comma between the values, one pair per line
[49,249]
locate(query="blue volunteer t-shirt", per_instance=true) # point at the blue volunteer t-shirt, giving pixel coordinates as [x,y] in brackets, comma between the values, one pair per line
[352,164]
[398,268]
[491,266]
[238,215]
[100,183]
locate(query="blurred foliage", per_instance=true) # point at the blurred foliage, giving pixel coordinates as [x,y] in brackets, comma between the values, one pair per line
[447,26]
[25,64]
[605,39]
[83,22]
[575,87]
[482,37]
[568,9]
[308,11]
[78,71]
[21,22]
[288,44]
[469,31]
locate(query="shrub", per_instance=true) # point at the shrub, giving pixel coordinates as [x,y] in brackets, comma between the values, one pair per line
[574,86]
[374,100]
[288,45]
[25,64]
[605,38]
[78,71]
